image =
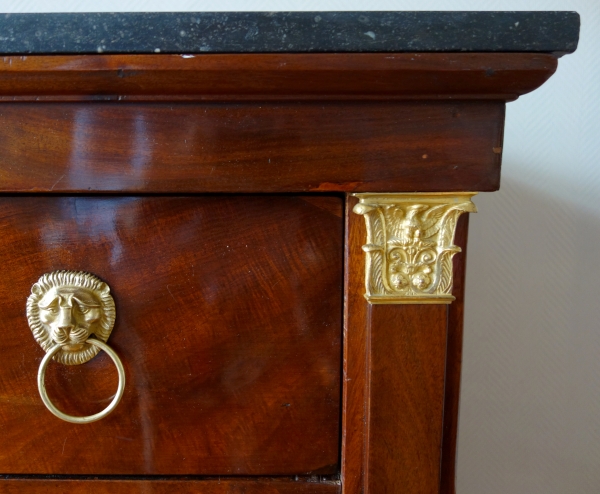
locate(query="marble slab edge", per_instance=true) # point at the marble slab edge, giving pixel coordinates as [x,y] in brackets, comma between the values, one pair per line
[288,32]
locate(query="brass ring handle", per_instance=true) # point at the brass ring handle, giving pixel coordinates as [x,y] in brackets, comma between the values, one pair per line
[90,418]
[71,315]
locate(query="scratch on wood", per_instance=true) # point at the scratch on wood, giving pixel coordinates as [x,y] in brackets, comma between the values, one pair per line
[330,186]
[56,183]
[171,293]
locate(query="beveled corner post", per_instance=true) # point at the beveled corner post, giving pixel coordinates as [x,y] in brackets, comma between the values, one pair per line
[409,245]
[404,295]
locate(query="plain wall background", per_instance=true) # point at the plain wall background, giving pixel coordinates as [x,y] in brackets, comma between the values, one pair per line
[530,405]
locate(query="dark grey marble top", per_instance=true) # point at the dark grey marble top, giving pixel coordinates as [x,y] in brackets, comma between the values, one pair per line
[289,32]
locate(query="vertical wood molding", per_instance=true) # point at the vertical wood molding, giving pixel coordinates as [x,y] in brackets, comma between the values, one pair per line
[356,319]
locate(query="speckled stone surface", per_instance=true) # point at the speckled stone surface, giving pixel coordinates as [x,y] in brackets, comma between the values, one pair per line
[291,32]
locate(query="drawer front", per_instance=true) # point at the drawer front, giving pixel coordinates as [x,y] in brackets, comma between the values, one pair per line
[228,324]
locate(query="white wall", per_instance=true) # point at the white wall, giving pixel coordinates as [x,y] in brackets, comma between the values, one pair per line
[530,410]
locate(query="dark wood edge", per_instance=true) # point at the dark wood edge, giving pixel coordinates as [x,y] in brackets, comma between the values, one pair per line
[273,76]
[160,486]
[454,362]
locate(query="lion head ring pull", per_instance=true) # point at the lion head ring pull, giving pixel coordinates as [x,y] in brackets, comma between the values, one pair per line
[71,315]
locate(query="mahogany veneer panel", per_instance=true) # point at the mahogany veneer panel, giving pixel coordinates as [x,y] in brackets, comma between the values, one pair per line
[242,147]
[228,324]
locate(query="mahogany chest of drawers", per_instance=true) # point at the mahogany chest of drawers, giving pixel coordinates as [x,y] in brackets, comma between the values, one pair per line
[269,213]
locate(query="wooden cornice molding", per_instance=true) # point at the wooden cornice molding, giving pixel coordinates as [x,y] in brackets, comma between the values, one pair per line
[349,76]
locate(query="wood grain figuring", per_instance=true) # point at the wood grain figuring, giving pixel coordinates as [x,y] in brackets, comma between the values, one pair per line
[267,147]
[454,361]
[225,486]
[228,324]
[386,76]
[406,398]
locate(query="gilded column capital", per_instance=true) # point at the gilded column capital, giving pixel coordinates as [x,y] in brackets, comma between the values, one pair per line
[410,245]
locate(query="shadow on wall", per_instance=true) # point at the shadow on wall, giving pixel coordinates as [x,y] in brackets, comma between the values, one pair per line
[530,403]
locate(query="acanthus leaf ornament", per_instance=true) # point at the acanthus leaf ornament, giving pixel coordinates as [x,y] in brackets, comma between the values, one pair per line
[409,246]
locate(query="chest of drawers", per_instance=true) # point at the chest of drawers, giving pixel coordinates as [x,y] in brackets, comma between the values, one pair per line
[283,229]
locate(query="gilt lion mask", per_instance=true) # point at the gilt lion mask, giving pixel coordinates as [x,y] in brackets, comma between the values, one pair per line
[67,307]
